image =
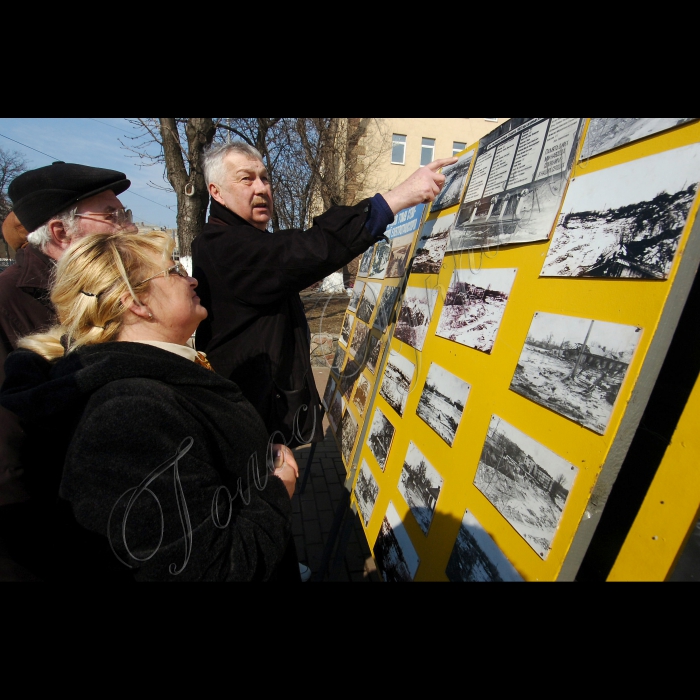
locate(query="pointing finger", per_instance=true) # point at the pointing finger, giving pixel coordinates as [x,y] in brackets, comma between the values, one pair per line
[441,163]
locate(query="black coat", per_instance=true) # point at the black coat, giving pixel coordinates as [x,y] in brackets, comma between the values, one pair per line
[249,281]
[138,417]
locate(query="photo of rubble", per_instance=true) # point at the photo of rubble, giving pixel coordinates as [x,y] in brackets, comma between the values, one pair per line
[394,552]
[363,268]
[626,221]
[356,294]
[373,353]
[366,492]
[474,306]
[382,251]
[476,557]
[400,249]
[358,347]
[385,308]
[348,433]
[575,366]
[396,384]
[361,393]
[420,485]
[346,329]
[442,402]
[415,316]
[380,437]
[368,301]
[455,177]
[606,133]
[431,246]
[526,482]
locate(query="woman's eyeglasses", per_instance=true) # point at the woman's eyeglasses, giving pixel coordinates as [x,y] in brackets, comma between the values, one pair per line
[176,269]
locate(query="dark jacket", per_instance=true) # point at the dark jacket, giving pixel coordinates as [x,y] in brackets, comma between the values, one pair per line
[25,306]
[141,421]
[256,333]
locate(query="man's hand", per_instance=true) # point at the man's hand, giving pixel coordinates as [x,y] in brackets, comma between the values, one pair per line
[286,467]
[421,187]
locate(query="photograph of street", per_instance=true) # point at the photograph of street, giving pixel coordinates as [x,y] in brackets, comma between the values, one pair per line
[396,383]
[474,307]
[455,176]
[415,316]
[575,366]
[420,485]
[366,492]
[606,133]
[526,482]
[394,552]
[431,246]
[517,184]
[626,221]
[442,402]
[380,437]
[385,308]
[368,301]
[476,557]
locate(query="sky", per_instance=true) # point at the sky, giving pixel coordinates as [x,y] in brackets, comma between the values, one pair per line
[94,142]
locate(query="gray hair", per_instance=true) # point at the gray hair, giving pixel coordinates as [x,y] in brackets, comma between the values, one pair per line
[41,237]
[213,159]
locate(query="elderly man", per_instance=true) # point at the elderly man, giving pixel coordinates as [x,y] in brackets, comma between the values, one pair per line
[57,204]
[249,280]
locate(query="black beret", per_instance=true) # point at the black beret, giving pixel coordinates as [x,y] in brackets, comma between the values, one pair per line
[39,194]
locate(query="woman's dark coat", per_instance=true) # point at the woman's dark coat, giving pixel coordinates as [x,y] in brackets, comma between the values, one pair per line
[137,421]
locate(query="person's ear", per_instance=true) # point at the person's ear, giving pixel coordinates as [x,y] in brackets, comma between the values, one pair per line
[215,192]
[139,310]
[58,233]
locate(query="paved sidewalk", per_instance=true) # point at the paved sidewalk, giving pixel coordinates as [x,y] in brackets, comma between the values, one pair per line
[313,526]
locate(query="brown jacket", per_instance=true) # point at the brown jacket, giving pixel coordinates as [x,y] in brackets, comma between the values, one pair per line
[24,299]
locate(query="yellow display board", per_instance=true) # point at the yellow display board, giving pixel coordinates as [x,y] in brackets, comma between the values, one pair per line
[491,447]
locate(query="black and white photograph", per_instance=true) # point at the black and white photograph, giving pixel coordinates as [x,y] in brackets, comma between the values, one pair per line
[348,433]
[575,366]
[400,249]
[368,301]
[525,482]
[385,308]
[373,353]
[348,377]
[420,485]
[365,260]
[415,316]
[361,393]
[398,376]
[330,388]
[396,557]
[382,251]
[356,294]
[442,402]
[477,558]
[626,221]
[346,329]
[517,184]
[431,246]
[455,176]
[335,412]
[474,306]
[358,346]
[338,360]
[366,492]
[606,133]
[380,437]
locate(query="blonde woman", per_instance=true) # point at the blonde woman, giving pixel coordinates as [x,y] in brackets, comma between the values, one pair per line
[163,471]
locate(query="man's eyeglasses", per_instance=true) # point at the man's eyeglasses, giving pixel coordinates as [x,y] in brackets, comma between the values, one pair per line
[176,269]
[118,217]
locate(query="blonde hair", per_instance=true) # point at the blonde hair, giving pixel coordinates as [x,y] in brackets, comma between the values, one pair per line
[89,282]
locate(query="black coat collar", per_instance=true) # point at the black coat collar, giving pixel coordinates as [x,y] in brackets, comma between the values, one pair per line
[218,214]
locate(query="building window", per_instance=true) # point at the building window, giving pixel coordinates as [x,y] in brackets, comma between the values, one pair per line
[427,151]
[398,149]
[457,147]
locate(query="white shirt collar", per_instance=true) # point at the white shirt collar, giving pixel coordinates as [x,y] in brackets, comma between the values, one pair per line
[183,350]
